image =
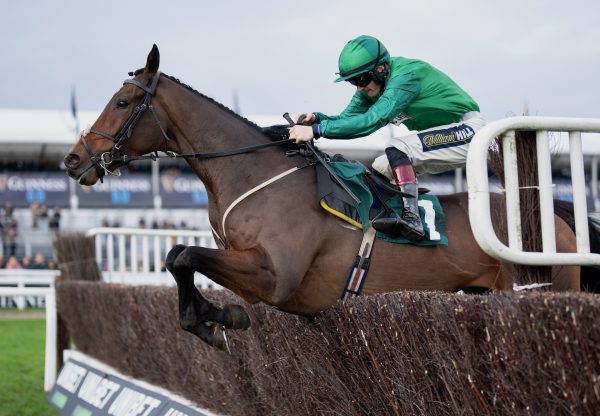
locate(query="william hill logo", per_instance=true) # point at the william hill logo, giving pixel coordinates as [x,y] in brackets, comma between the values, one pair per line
[454,136]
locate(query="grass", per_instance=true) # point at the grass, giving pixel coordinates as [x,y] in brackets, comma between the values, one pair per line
[22,368]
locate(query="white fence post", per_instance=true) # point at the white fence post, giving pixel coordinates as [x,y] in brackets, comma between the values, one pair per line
[513,214]
[51,341]
[546,191]
[579,195]
[479,195]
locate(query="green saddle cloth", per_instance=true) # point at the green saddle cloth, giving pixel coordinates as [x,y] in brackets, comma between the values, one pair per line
[353,175]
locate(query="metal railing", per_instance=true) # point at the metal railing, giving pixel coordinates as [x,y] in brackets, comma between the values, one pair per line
[21,285]
[24,283]
[479,198]
[137,255]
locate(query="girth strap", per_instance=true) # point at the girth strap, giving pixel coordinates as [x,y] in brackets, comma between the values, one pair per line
[358,272]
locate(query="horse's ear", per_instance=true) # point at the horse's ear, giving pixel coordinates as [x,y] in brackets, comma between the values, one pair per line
[153,60]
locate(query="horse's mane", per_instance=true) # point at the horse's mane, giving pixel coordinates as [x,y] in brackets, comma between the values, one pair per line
[274,133]
[230,111]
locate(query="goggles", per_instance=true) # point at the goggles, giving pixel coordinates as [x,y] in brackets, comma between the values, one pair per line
[361,80]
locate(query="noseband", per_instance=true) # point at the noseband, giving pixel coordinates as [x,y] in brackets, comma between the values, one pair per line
[101,163]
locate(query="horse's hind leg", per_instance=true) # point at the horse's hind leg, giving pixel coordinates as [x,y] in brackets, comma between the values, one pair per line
[196,314]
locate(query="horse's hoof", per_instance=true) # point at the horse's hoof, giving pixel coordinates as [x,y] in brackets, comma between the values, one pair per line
[237,317]
[173,254]
[219,339]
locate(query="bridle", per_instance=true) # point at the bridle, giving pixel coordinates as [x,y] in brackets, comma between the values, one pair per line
[101,163]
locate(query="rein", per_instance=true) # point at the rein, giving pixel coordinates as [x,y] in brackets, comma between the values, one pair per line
[101,163]
[205,155]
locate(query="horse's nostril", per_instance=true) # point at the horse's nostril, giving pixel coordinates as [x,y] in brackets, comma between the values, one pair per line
[72,160]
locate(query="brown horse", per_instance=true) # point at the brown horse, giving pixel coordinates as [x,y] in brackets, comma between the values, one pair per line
[283,249]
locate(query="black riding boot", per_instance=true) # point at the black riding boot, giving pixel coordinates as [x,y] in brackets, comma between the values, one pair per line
[408,225]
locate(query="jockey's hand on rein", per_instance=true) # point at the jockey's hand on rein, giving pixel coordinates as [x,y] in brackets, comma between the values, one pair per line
[306,119]
[301,133]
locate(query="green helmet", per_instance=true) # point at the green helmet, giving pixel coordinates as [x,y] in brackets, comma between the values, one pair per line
[360,55]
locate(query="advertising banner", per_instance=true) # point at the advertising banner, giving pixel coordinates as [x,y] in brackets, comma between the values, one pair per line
[133,190]
[83,390]
[182,190]
[24,188]
[176,189]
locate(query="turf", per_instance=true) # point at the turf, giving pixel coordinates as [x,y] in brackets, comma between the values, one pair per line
[22,368]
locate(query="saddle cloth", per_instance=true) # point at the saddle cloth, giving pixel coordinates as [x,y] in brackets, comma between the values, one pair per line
[374,198]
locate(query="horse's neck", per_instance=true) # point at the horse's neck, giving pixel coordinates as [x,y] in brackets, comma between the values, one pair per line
[203,126]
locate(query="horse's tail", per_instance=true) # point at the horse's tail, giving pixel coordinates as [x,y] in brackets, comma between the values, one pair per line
[590,275]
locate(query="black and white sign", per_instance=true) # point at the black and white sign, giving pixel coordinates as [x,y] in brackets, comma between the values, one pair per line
[83,390]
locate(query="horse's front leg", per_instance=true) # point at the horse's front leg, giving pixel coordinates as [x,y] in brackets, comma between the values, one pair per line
[227,267]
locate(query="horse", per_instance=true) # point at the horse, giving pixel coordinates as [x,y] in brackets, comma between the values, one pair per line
[275,245]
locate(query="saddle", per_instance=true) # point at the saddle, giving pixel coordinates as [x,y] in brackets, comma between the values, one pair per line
[378,199]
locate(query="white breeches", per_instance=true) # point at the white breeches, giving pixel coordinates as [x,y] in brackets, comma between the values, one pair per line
[435,150]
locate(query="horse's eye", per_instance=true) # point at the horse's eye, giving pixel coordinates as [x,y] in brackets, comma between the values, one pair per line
[122,104]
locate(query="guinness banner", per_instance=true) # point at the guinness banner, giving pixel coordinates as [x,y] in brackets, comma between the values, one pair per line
[133,190]
[179,190]
[24,188]
[176,189]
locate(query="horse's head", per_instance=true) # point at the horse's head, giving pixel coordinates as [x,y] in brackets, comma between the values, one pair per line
[129,126]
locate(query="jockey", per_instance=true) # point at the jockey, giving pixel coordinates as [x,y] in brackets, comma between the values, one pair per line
[441,116]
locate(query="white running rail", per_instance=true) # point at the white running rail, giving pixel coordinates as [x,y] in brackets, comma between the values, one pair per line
[136,256]
[21,284]
[29,281]
[479,198]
